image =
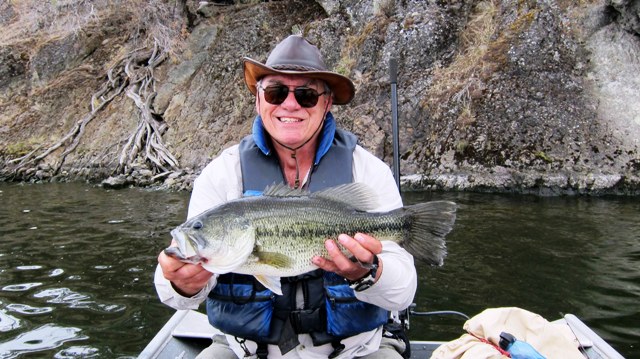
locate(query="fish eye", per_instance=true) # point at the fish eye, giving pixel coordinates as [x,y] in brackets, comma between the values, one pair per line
[197,225]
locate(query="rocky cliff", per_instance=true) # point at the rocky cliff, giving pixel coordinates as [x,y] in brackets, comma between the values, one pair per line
[509,96]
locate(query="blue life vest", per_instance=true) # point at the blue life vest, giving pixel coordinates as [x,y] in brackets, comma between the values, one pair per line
[239,305]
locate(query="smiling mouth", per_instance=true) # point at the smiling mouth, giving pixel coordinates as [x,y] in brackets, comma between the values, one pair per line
[289,120]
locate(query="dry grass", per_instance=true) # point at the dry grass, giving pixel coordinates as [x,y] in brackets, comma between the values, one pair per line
[463,77]
[148,21]
[352,48]
[49,18]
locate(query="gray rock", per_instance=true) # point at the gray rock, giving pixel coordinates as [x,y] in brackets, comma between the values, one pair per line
[530,97]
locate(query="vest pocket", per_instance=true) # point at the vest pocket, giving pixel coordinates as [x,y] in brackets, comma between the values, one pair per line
[347,316]
[240,310]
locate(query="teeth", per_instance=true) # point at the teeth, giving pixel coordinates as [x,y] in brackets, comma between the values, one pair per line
[289,119]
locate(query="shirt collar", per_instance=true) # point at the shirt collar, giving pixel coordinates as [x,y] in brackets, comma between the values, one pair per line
[260,136]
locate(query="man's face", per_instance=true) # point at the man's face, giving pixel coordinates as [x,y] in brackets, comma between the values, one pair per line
[290,123]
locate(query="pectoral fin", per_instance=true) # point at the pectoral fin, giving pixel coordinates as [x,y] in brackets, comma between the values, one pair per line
[273,259]
[271,283]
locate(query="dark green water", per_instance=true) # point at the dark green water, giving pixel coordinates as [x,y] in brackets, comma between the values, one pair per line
[76,266]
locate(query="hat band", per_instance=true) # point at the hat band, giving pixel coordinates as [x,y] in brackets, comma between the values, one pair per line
[294,68]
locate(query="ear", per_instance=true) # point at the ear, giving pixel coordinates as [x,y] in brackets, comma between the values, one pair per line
[258,102]
[327,106]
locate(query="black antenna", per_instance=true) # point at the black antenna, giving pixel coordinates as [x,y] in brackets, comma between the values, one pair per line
[393,75]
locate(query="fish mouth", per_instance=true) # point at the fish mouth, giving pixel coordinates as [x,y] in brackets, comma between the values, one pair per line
[187,249]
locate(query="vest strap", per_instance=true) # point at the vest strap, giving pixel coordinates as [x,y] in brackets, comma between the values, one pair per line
[338,347]
[262,351]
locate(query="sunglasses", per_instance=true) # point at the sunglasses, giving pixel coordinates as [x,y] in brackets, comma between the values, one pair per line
[306,97]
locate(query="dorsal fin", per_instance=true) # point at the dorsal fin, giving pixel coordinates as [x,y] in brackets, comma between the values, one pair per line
[356,195]
[282,190]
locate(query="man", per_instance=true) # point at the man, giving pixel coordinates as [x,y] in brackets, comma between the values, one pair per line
[295,141]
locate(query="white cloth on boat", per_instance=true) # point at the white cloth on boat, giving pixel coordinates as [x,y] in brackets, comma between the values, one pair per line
[221,181]
[552,340]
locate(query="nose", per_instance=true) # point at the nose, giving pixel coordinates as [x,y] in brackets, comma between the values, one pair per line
[290,103]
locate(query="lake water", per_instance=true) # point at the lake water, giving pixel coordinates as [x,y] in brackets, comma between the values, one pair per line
[76,266]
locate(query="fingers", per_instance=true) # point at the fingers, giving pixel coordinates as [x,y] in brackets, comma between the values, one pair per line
[187,279]
[169,264]
[363,247]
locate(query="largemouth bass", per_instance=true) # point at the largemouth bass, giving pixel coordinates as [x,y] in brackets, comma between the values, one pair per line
[277,234]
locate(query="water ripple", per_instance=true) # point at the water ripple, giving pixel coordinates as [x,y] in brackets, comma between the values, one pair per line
[56,272]
[48,336]
[20,287]
[76,300]
[8,322]
[61,296]
[77,352]
[29,310]
[31,267]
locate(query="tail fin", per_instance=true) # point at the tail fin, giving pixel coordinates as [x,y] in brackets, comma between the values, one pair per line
[429,223]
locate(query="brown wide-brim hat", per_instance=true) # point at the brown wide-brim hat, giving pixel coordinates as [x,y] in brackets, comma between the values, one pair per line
[296,56]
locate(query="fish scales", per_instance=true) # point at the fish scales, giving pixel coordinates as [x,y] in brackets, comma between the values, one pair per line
[303,220]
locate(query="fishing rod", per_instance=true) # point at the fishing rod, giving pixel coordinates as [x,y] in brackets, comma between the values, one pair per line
[393,76]
[403,315]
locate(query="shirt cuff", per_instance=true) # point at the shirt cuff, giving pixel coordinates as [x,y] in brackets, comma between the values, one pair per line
[170,297]
[397,284]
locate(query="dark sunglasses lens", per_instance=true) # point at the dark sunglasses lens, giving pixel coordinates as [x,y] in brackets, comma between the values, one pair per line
[306,97]
[276,95]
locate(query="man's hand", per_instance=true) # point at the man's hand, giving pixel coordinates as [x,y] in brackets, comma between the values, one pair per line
[362,246]
[187,279]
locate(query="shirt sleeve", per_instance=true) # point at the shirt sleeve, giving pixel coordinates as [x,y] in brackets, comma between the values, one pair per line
[377,175]
[397,284]
[219,182]
[170,297]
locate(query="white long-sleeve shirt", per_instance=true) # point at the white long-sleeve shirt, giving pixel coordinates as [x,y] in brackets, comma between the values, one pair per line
[221,181]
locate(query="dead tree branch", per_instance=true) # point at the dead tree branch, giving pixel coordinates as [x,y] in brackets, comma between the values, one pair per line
[134,75]
[148,137]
